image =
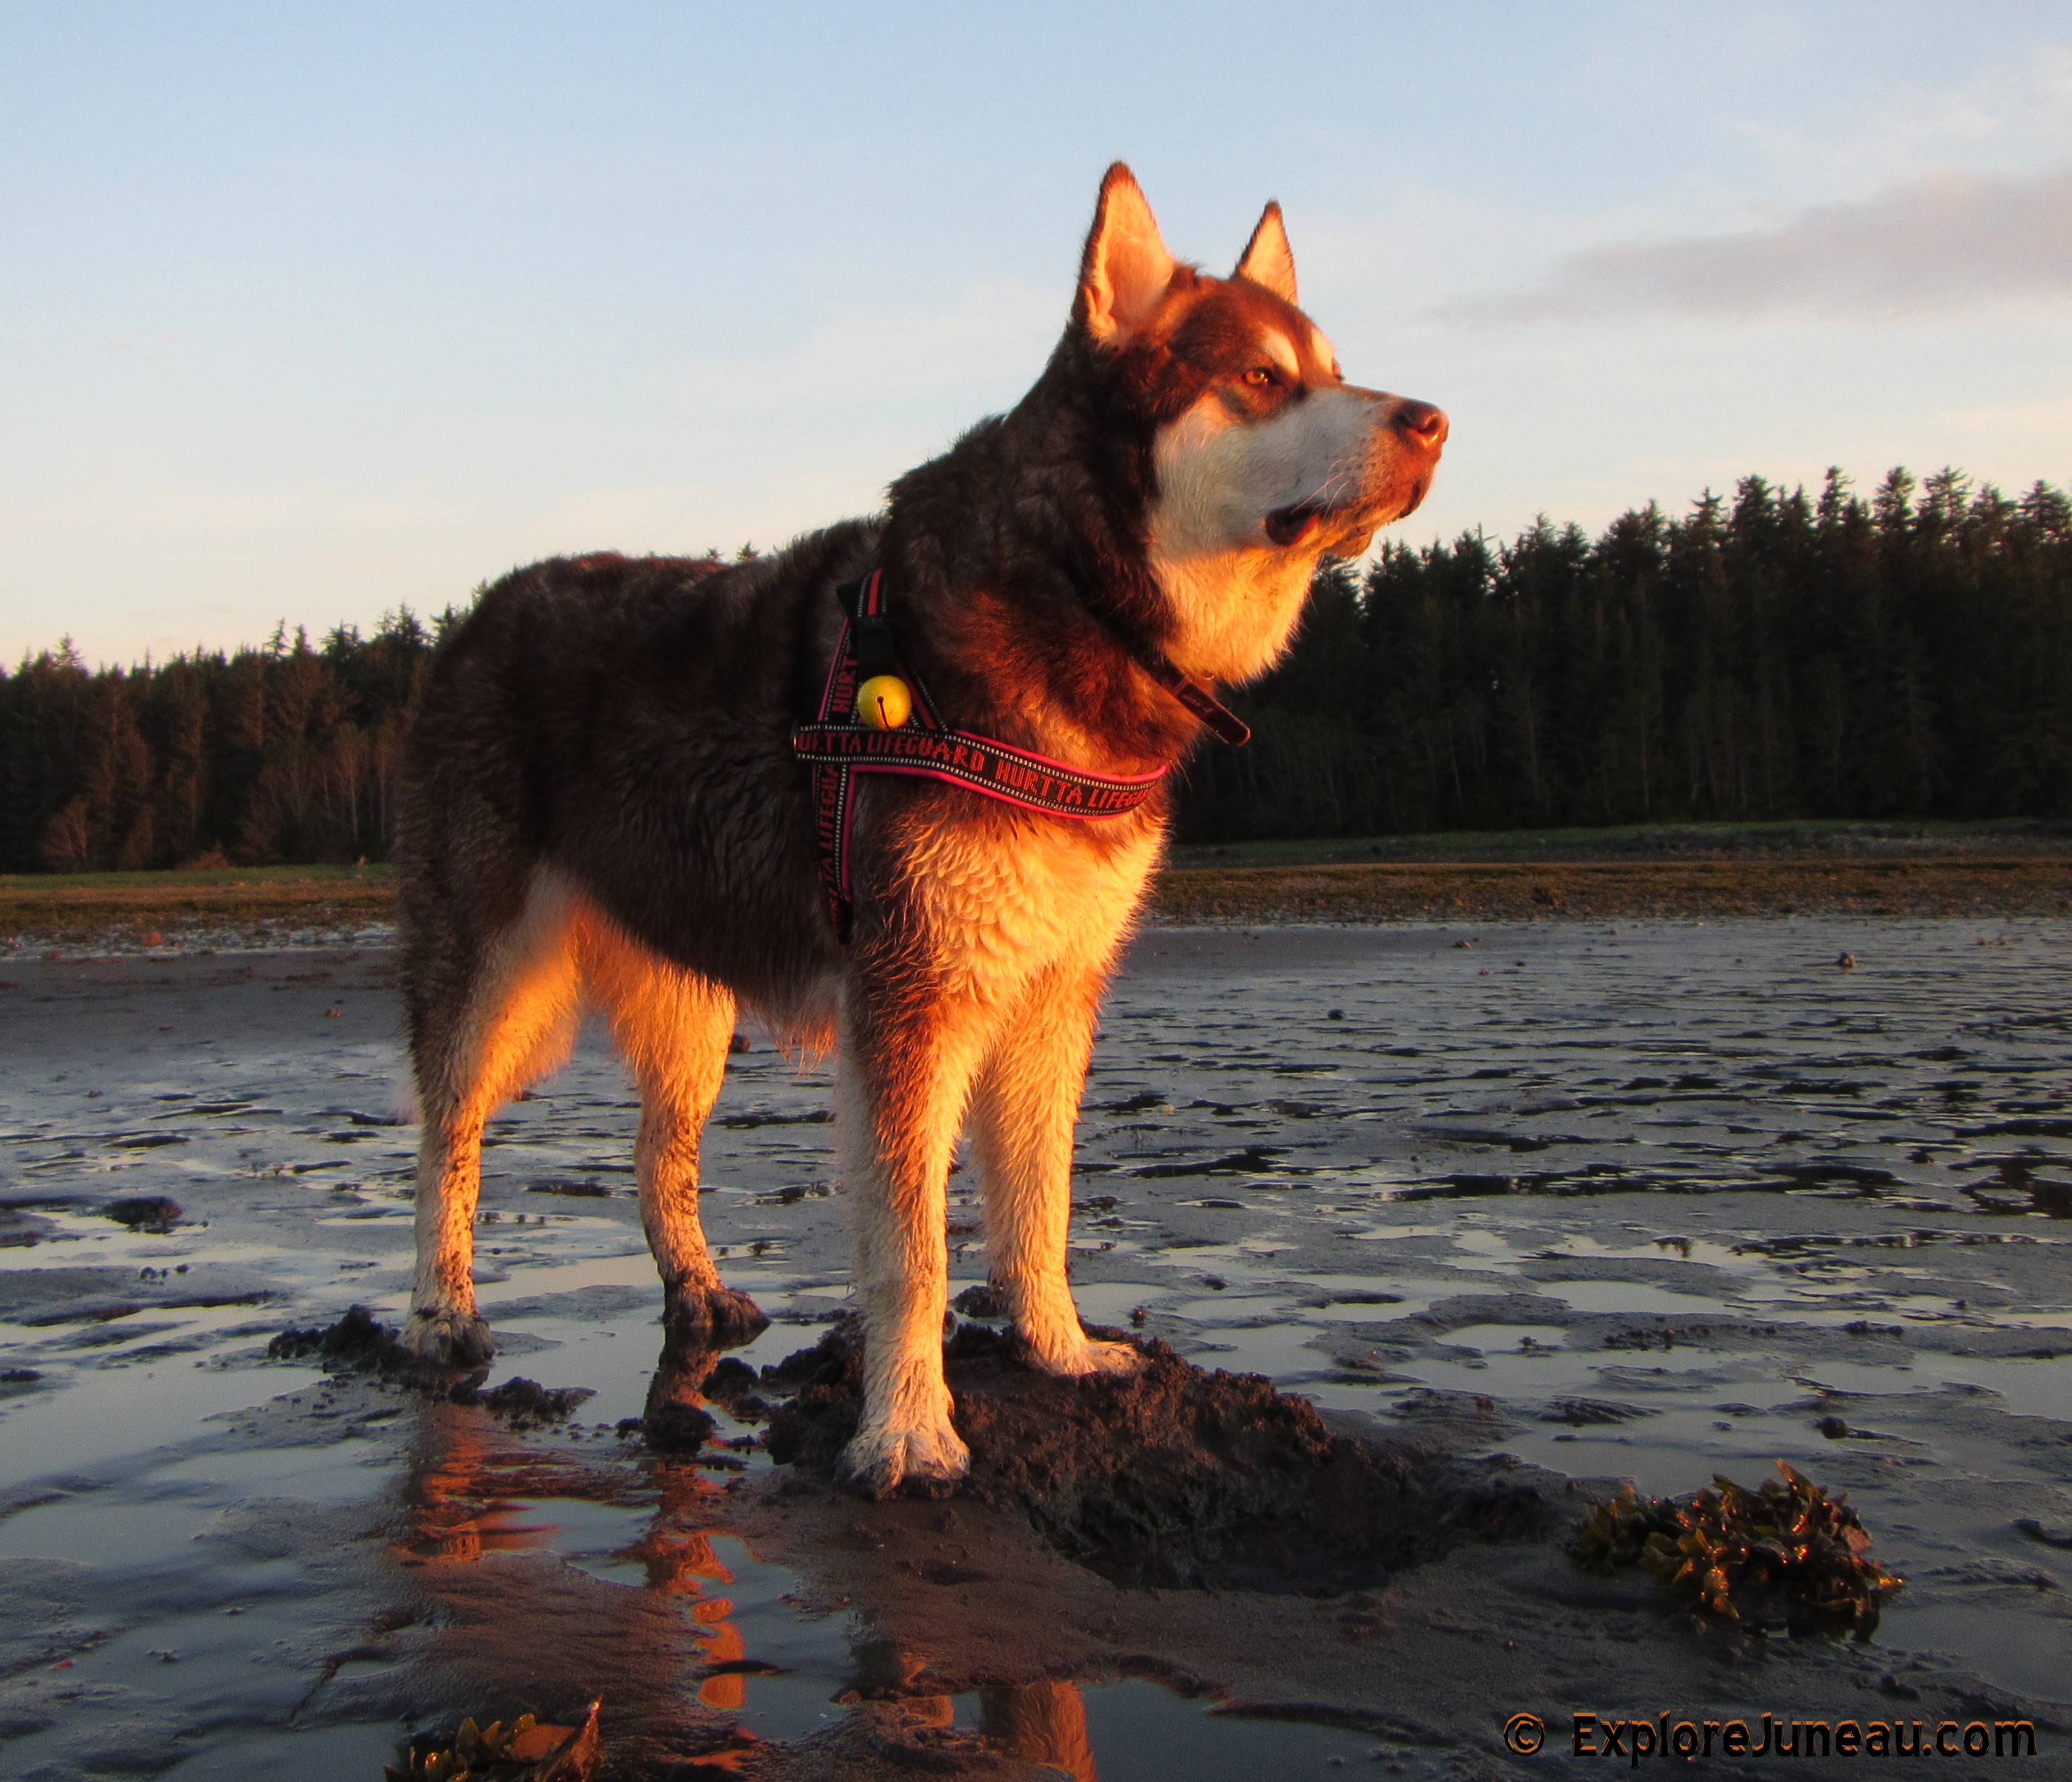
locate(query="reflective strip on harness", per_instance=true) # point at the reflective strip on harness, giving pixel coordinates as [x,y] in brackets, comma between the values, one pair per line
[998,769]
[836,748]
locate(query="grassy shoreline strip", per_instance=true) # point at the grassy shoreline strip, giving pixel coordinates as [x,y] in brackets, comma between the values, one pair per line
[1470,891]
[1482,891]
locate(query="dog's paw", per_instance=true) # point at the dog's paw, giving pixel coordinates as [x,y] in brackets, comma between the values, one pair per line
[714,1317]
[877,1461]
[1089,1357]
[449,1339]
[1120,1359]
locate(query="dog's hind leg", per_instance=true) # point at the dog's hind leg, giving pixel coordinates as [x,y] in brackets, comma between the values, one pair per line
[673,1028]
[507,1017]
[1024,1105]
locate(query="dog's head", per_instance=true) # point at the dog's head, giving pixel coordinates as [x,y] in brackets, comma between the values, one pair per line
[1264,458]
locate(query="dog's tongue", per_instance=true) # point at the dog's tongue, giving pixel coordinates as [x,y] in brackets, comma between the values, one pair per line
[1287,526]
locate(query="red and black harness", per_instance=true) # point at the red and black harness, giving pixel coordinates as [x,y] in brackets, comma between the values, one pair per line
[837,747]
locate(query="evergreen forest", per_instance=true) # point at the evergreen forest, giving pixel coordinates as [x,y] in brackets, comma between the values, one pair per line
[1777,655]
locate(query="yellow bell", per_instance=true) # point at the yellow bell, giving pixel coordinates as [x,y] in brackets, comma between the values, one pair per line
[884,702]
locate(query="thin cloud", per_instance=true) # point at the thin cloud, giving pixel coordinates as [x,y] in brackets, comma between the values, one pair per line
[1939,242]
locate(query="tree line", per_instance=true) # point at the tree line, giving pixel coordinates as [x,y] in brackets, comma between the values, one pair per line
[1778,654]
[286,752]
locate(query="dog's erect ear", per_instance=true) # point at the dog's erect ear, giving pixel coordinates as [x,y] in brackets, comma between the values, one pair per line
[1267,259]
[1125,269]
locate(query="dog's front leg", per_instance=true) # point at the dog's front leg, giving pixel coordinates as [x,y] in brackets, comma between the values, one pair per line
[907,1064]
[1024,1106]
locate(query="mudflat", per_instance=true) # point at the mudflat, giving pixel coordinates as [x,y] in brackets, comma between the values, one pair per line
[1652,873]
[1522,1208]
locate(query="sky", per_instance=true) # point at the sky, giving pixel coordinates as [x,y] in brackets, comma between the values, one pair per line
[309,311]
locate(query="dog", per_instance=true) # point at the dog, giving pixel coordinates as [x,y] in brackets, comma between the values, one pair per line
[649,785]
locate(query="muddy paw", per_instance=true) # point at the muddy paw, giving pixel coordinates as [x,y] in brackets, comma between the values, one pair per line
[1093,1357]
[715,1317]
[877,1461]
[449,1339]
[1116,1358]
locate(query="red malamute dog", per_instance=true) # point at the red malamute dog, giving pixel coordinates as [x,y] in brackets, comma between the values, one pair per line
[653,783]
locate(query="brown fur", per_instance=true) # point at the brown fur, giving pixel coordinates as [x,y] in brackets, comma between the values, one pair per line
[601,802]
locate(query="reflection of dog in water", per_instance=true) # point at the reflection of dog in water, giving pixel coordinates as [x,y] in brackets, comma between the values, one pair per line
[553,1630]
[681,790]
[565,1638]
[471,1493]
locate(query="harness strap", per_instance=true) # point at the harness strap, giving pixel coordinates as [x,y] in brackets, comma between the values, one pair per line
[870,625]
[999,770]
[836,748]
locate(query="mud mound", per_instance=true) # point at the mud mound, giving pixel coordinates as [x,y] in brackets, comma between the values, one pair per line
[525,1403]
[356,1344]
[672,1428]
[156,1213]
[1176,1478]
[360,1343]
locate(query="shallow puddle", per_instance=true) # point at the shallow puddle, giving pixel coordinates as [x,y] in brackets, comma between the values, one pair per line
[794,1665]
[88,1417]
[1962,1631]
[1132,1730]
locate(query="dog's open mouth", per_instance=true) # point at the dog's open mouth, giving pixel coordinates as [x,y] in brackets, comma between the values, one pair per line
[1287,526]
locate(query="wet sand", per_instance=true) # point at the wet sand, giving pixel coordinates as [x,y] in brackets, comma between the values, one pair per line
[1576,1201]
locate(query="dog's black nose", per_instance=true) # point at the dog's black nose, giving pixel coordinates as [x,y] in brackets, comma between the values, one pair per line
[1421,422]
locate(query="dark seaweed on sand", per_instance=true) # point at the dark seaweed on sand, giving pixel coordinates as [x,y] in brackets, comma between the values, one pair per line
[1786,1554]
[523,1752]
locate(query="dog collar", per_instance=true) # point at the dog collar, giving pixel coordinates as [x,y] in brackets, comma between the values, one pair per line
[835,747]
[1191,693]
[1175,679]
[1169,675]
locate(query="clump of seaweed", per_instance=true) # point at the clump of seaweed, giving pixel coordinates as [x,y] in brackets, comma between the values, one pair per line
[1786,1554]
[524,1751]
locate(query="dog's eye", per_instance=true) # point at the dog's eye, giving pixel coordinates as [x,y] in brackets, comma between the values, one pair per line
[1262,377]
